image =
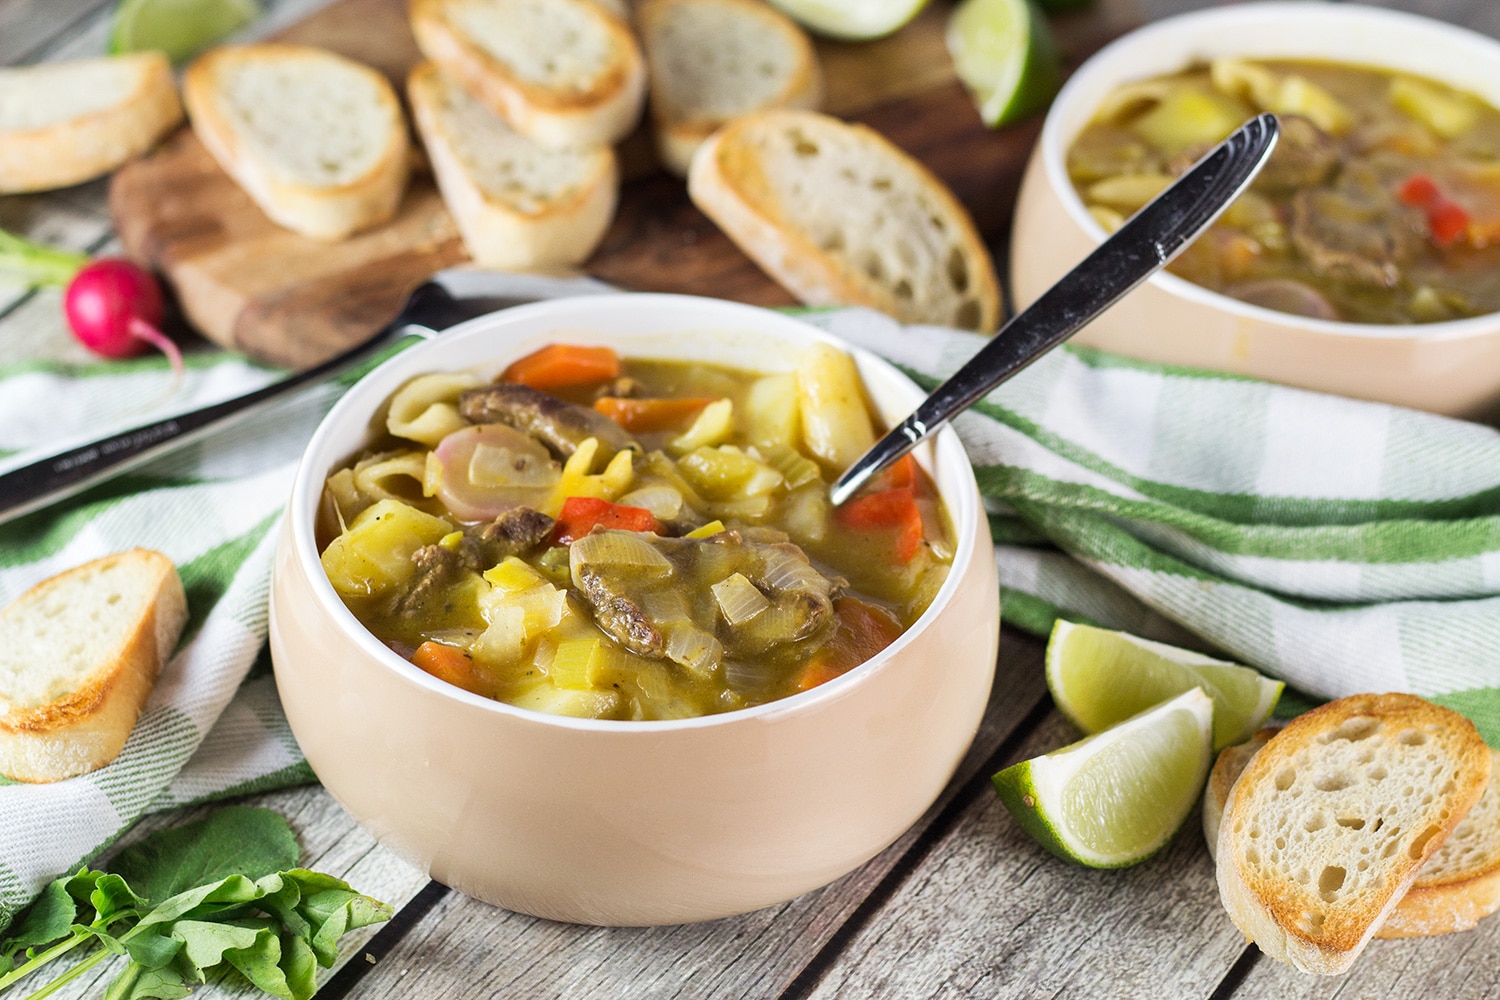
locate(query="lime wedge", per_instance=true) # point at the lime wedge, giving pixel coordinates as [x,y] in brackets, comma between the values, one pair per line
[179,28]
[1116,798]
[1005,55]
[855,20]
[1098,677]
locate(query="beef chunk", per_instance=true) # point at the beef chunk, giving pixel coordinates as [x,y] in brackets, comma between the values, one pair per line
[640,606]
[1305,157]
[556,423]
[1356,232]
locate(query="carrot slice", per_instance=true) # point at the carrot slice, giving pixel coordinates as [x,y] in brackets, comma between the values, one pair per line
[558,366]
[655,414]
[581,515]
[451,664]
[862,629]
[893,510]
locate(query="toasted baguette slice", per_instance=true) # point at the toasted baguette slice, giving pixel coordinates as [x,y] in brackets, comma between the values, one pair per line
[68,122]
[79,654]
[712,60]
[840,216]
[317,140]
[563,72]
[518,205]
[1456,888]
[1331,821]
[1460,884]
[1228,766]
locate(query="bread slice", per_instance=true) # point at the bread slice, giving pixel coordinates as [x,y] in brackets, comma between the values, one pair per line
[67,122]
[317,140]
[1227,768]
[563,72]
[1460,884]
[711,60]
[840,216]
[1331,821]
[518,205]
[79,654]
[1456,888]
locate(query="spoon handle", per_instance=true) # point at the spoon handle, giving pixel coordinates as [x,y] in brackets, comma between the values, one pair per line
[1138,249]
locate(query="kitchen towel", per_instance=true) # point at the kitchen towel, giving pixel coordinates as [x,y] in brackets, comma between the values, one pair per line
[1342,546]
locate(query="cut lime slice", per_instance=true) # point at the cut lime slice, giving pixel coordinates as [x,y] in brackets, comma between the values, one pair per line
[1005,55]
[1116,798]
[1098,677]
[179,28]
[856,20]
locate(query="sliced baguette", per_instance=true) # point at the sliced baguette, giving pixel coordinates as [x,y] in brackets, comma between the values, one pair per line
[563,72]
[1332,820]
[79,654]
[840,216]
[518,205]
[712,60]
[1457,887]
[68,122]
[317,140]
[1460,884]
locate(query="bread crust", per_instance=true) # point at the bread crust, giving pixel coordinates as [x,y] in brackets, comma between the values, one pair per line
[564,231]
[85,728]
[79,149]
[1273,911]
[321,212]
[678,131]
[727,181]
[599,116]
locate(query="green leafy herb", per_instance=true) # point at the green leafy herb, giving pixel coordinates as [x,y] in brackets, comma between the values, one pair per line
[219,895]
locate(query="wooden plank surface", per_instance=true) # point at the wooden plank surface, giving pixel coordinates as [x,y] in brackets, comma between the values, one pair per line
[963,905]
[989,912]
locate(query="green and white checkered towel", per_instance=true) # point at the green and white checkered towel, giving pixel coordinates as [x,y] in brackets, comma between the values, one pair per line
[1342,546]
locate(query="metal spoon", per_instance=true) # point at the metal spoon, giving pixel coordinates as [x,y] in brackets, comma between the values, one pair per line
[445,300]
[1138,249]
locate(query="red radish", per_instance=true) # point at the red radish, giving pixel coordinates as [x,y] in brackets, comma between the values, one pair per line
[114,308]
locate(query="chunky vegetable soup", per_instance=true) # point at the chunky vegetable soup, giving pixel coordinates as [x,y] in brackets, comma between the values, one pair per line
[1381,203]
[631,539]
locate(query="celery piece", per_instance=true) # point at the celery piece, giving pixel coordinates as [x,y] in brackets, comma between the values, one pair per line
[570,663]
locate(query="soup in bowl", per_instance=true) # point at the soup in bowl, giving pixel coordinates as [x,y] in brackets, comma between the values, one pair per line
[735,694]
[1347,269]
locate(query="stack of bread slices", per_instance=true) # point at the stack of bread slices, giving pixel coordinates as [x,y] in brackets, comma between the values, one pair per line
[1370,816]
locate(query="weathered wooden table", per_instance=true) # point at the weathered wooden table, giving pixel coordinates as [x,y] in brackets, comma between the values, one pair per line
[965,904]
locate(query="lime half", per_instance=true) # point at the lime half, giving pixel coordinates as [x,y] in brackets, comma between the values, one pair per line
[1116,798]
[1098,677]
[1005,55]
[179,28]
[855,20]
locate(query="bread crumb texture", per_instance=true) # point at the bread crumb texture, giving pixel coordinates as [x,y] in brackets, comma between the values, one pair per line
[507,166]
[1334,817]
[714,60]
[556,44]
[309,120]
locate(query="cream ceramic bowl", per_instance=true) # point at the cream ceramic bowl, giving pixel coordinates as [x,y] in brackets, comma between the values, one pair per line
[1451,368]
[631,823]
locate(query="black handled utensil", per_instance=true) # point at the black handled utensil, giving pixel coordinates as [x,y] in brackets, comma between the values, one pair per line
[1145,244]
[430,309]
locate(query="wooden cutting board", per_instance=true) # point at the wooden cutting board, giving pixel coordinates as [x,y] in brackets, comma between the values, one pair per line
[246,283]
